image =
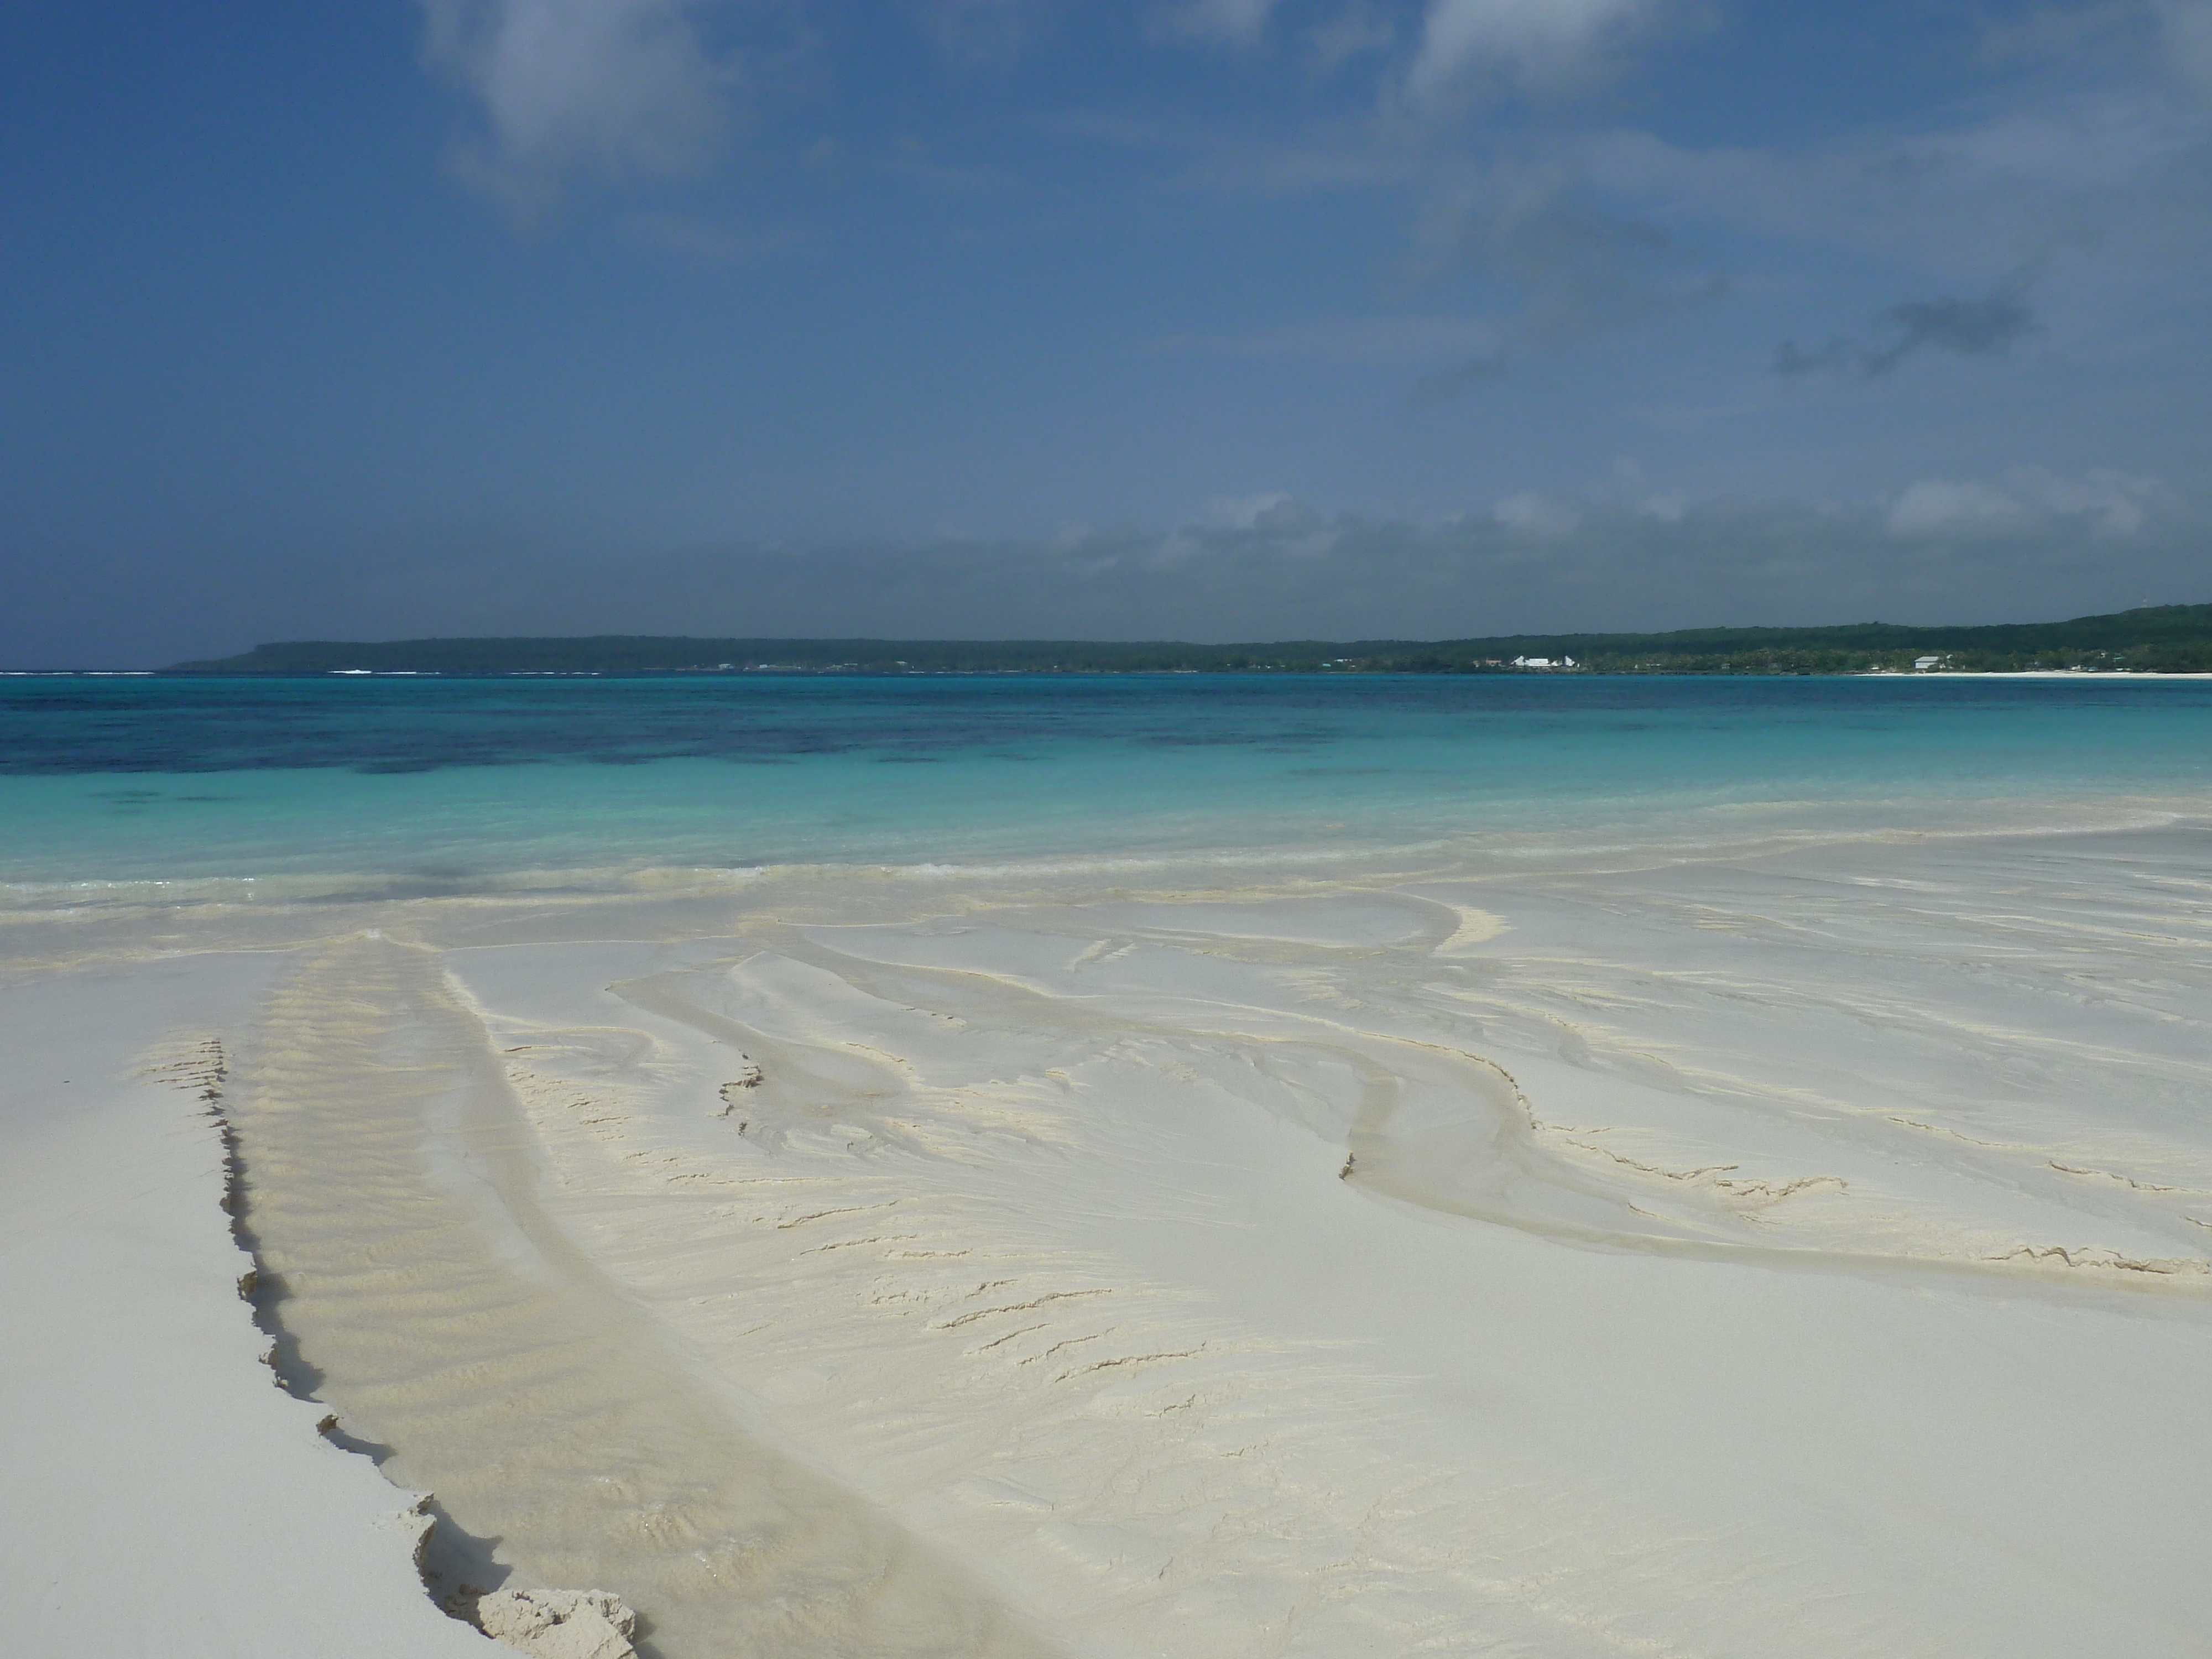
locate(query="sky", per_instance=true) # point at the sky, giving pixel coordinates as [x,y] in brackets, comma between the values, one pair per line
[1209,319]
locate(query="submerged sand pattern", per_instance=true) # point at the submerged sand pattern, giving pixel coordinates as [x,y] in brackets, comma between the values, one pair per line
[389,1189]
[1692,1258]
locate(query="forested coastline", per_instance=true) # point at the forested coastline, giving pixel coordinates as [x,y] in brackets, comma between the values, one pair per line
[2161,638]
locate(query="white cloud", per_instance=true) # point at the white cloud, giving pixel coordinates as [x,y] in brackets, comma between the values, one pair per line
[2113,503]
[1933,506]
[622,86]
[1629,487]
[1241,511]
[1537,41]
[2106,502]
[1537,515]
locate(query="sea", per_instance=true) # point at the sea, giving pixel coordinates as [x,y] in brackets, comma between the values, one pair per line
[132,789]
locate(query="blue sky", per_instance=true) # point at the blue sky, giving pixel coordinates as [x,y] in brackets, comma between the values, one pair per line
[1207,318]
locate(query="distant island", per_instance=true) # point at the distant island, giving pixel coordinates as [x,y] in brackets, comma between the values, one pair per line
[2157,639]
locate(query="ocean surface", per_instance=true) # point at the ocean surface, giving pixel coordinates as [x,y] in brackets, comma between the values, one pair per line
[386,787]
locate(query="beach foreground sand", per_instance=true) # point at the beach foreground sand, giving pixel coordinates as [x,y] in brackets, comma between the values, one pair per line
[1808,1252]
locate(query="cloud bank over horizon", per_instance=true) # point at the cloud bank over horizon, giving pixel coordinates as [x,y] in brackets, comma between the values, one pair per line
[1619,556]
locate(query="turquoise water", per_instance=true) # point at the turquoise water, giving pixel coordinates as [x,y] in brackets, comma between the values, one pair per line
[444,786]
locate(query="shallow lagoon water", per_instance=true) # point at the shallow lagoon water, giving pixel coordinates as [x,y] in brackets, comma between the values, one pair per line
[448,786]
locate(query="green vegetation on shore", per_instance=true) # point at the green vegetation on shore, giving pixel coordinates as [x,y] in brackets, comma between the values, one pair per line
[2159,639]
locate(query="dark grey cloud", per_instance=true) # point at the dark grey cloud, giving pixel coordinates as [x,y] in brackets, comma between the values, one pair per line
[1972,328]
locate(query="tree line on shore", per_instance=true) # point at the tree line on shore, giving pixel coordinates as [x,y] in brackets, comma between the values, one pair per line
[2160,639]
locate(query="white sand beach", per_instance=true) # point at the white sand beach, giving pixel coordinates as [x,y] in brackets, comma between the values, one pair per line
[1806,1251]
[163,1497]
